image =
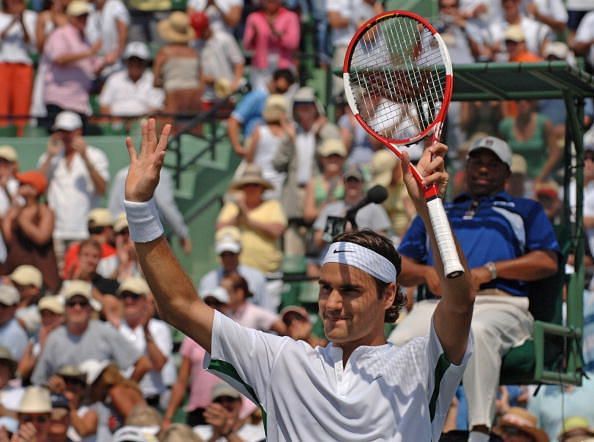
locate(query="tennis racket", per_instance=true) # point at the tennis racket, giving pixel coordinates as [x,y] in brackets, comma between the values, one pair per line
[398,83]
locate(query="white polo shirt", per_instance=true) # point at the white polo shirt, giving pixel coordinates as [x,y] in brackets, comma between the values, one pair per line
[383,393]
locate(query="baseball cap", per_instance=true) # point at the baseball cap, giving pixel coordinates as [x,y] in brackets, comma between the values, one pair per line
[556,49]
[219,293]
[224,389]
[514,33]
[129,433]
[9,295]
[77,8]
[227,244]
[33,178]
[27,275]
[294,309]
[54,304]
[77,287]
[305,94]
[100,217]
[120,223]
[8,153]
[67,120]
[137,49]
[518,164]
[332,146]
[495,145]
[35,400]
[134,284]
[353,171]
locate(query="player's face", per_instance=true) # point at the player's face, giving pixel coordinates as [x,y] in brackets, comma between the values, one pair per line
[349,306]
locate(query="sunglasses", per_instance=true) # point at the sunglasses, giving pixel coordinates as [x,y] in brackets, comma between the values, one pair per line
[74,303]
[39,419]
[132,296]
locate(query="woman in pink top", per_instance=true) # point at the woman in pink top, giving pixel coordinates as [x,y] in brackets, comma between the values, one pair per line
[273,35]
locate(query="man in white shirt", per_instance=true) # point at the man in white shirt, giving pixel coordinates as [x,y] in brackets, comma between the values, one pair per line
[130,92]
[77,175]
[108,23]
[149,336]
[358,387]
[537,34]
[223,15]
[584,39]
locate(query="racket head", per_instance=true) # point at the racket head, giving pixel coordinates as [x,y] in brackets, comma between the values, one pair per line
[398,78]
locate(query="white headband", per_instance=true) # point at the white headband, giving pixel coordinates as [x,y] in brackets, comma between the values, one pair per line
[362,258]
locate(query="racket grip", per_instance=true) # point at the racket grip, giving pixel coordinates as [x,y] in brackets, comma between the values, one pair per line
[452,266]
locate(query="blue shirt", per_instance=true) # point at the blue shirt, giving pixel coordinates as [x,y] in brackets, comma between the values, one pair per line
[493,228]
[249,110]
[14,338]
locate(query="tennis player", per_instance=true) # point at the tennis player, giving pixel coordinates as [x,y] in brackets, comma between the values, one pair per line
[358,387]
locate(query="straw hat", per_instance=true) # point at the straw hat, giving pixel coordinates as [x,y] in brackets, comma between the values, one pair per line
[382,167]
[9,154]
[100,217]
[252,174]
[576,429]
[134,284]
[36,400]
[275,108]
[332,146]
[176,28]
[522,419]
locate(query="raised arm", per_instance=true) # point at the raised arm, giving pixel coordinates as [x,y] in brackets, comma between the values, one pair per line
[454,313]
[177,300]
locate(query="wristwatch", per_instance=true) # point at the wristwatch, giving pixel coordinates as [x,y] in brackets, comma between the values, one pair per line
[492,269]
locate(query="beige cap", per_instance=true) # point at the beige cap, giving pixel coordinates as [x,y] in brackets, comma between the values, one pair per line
[332,146]
[71,371]
[120,223]
[275,108]
[134,284]
[35,400]
[9,295]
[8,153]
[92,369]
[518,164]
[556,49]
[77,287]
[100,218]
[382,166]
[224,389]
[77,8]
[514,33]
[54,304]
[27,275]
[219,293]
[496,145]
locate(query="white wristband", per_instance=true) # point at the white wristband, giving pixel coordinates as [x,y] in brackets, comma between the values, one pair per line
[143,220]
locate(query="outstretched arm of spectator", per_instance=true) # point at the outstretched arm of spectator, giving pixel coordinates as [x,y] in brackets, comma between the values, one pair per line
[233,131]
[174,292]
[178,391]
[99,183]
[141,367]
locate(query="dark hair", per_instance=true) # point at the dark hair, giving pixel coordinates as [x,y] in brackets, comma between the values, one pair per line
[238,282]
[287,74]
[383,246]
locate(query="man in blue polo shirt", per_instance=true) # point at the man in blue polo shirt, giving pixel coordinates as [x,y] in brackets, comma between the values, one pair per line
[508,242]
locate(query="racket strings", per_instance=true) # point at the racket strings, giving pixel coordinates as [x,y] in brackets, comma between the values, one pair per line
[398,76]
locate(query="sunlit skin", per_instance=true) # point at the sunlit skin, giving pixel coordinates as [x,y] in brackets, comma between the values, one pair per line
[352,312]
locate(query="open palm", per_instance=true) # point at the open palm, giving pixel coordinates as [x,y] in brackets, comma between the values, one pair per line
[145,166]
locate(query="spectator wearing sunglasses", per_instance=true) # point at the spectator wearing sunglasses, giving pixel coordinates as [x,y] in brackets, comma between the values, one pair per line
[82,338]
[149,336]
[35,409]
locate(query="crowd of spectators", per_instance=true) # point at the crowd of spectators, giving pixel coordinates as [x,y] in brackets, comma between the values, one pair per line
[83,353]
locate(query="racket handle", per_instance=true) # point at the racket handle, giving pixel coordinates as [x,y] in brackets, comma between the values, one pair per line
[452,266]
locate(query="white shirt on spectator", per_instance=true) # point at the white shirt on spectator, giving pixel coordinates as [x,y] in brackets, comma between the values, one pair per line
[536,33]
[253,316]
[551,8]
[382,393]
[152,383]
[585,33]
[13,48]
[126,98]
[356,10]
[218,57]
[102,25]
[579,5]
[494,11]
[71,192]
[247,433]
[215,18]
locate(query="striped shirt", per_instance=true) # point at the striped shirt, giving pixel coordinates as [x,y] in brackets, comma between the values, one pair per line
[382,393]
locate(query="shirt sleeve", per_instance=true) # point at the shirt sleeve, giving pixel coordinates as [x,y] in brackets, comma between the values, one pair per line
[585,31]
[100,163]
[186,348]
[120,13]
[122,352]
[265,318]
[233,51]
[55,46]
[108,93]
[539,231]
[414,243]
[443,377]
[167,207]
[162,336]
[243,357]
[246,107]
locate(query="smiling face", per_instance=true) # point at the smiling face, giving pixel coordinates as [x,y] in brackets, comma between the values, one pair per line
[350,308]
